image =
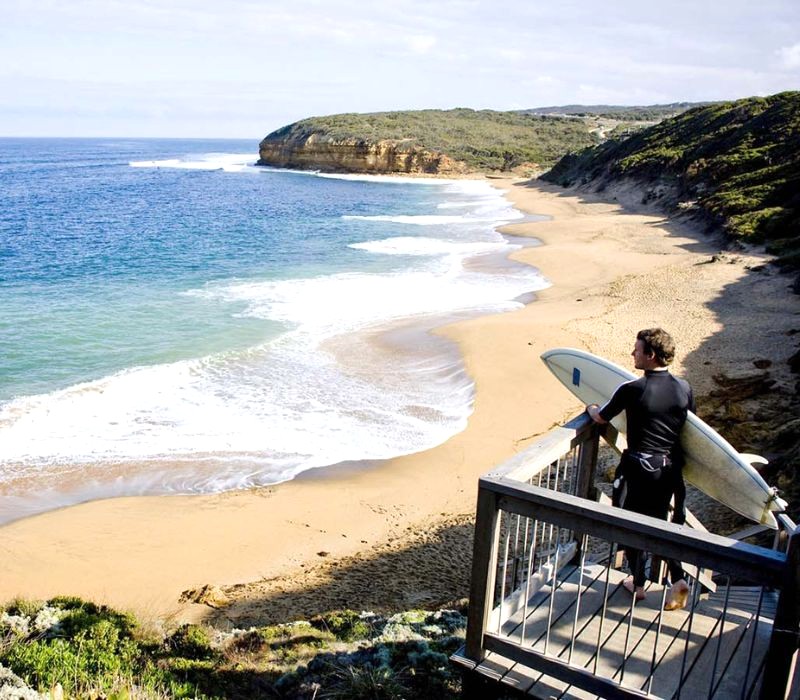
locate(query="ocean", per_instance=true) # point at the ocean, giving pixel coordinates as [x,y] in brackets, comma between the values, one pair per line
[174,319]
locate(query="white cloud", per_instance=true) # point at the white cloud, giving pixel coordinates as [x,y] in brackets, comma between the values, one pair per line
[790,56]
[422,43]
[260,64]
[512,55]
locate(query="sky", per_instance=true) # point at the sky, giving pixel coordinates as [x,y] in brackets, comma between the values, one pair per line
[242,68]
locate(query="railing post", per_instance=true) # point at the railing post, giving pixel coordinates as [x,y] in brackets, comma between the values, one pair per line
[484,568]
[783,643]
[587,464]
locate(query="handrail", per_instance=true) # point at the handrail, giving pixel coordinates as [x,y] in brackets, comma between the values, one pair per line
[513,498]
[762,566]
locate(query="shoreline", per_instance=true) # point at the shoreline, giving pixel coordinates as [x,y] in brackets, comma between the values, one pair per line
[612,272]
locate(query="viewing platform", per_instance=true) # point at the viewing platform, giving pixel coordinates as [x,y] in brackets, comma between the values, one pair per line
[549,617]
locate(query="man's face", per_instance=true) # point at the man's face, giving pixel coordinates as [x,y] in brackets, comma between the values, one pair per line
[640,359]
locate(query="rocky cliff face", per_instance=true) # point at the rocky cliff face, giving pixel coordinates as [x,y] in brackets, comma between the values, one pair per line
[320,152]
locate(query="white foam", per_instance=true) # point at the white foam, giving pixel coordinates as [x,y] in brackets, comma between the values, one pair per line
[394,179]
[228,162]
[408,245]
[263,415]
[463,204]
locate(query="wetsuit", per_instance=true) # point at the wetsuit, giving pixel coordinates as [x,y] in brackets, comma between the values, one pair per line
[655,407]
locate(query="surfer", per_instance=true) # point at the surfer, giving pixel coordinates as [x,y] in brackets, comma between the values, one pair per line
[655,407]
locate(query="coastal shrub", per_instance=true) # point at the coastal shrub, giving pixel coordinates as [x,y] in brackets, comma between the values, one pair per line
[87,649]
[95,652]
[94,658]
[738,162]
[483,139]
[430,674]
[191,642]
[364,683]
[346,625]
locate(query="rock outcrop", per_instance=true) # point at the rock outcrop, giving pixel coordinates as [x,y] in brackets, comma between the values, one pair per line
[318,151]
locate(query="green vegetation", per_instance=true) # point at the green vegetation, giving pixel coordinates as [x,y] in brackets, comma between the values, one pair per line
[83,650]
[624,113]
[736,164]
[484,140]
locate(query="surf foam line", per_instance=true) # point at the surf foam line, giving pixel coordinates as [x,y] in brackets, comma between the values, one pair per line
[228,162]
[262,415]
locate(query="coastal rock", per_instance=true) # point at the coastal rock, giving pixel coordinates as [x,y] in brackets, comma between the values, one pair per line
[322,152]
[213,596]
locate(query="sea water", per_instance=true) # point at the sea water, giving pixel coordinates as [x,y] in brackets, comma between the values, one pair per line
[174,319]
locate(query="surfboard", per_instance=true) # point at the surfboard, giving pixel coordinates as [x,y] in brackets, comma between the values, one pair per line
[712,464]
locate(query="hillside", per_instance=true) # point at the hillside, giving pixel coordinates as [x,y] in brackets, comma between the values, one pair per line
[734,165]
[624,113]
[426,141]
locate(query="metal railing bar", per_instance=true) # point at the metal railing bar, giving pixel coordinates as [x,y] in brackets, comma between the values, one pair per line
[757,677]
[544,600]
[684,673]
[654,658]
[553,588]
[722,619]
[581,565]
[612,549]
[505,574]
[753,641]
[759,565]
[562,671]
[631,614]
[655,663]
[528,583]
[515,559]
[562,613]
[743,633]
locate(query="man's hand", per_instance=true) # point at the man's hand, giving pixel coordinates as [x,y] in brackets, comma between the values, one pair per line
[594,413]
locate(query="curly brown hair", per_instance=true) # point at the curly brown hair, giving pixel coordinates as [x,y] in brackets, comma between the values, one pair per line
[658,342]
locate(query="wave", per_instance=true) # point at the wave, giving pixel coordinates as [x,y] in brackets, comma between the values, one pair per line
[494,216]
[227,162]
[394,179]
[408,245]
[318,393]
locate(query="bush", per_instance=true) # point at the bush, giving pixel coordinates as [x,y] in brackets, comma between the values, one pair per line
[191,642]
[346,625]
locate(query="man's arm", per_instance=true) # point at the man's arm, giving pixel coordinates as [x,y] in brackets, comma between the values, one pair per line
[594,413]
[604,414]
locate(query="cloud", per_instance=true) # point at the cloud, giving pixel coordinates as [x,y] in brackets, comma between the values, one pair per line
[790,56]
[421,43]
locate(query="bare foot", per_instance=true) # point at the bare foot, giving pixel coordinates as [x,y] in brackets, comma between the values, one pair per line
[677,596]
[636,591]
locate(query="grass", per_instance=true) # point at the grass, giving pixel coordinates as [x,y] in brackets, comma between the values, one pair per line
[92,651]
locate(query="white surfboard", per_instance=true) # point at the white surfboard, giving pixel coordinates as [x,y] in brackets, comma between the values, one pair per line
[712,464]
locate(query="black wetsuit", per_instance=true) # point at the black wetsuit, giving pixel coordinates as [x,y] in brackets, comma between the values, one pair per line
[655,407]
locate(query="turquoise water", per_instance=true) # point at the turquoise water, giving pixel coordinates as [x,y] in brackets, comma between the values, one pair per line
[174,319]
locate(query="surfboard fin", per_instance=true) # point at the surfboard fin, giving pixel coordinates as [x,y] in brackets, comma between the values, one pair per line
[752,459]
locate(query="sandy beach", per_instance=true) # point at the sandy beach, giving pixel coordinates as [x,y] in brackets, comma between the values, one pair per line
[398,533]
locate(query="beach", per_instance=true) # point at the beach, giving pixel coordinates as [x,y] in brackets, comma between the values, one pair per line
[396,533]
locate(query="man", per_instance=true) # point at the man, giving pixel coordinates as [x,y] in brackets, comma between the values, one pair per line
[655,406]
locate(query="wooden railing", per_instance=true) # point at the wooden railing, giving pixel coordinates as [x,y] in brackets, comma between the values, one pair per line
[538,600]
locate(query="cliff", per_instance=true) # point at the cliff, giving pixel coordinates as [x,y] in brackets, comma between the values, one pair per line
[319,151]
[437,142]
